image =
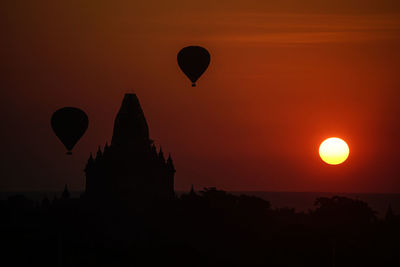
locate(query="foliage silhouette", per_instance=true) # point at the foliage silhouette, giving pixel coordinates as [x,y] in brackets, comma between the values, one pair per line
[207,228]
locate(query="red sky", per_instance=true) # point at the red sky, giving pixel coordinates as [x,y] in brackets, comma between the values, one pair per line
[284,76]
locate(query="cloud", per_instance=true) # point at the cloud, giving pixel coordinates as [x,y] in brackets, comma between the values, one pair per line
[284,29]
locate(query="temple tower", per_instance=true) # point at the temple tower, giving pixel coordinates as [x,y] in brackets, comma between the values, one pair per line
[131,168]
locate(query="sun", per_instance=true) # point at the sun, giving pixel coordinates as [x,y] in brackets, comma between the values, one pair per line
[334,151]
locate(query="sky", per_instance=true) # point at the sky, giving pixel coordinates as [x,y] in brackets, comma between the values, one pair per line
[284,76]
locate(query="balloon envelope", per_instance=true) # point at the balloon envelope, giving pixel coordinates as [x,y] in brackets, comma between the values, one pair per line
[69,124]
[193,61]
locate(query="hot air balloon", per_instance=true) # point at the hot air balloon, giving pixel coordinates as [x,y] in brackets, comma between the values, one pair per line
[193,61]
[69,124]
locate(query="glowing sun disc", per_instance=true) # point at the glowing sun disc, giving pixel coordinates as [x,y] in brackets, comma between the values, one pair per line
[334,151]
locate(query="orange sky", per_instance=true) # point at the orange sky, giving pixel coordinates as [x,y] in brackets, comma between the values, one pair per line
[284,76]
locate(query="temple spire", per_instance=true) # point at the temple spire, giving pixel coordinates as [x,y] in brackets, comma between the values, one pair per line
[153,150]
[91,159]
[170,163]
[106,148]
[161,155]
[130,126]
[89,163]
[99,154]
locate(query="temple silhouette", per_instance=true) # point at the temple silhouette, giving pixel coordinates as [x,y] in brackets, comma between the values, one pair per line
[125,218]
[130,169]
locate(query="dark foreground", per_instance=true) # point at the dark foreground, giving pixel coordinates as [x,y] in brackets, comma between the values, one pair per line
[212,228]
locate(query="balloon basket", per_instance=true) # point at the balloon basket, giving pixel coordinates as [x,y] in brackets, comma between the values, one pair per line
[193,85]
[69,153]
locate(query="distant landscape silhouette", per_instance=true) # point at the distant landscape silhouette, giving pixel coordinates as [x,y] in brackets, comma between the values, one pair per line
[129,215]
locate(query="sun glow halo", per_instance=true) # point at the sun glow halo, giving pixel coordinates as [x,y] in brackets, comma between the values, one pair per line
[334,151]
